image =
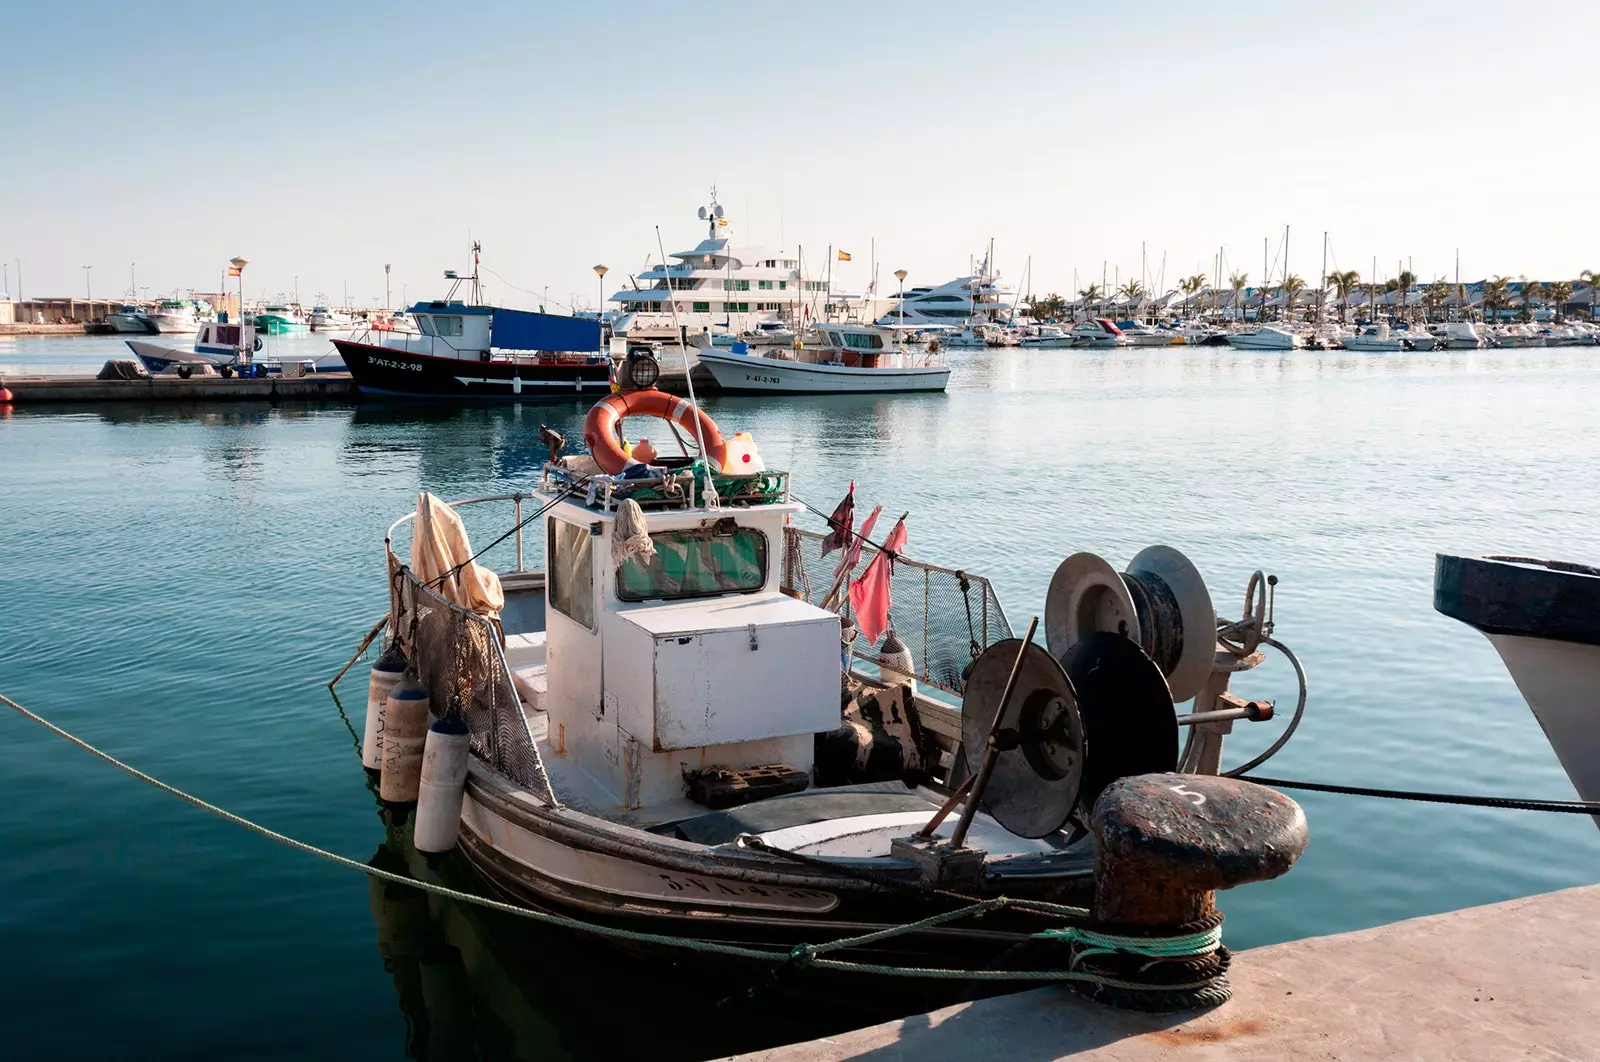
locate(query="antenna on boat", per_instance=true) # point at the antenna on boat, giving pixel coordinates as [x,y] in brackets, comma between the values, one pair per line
[688,373]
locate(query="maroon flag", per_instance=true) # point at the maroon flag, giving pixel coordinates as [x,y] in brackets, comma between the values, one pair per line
[841,525]
[852,552]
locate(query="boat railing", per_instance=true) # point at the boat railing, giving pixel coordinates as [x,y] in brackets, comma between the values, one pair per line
[946,617]
[459,656]
[679,488]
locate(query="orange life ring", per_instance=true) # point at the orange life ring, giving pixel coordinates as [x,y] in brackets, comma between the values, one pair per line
[600,426]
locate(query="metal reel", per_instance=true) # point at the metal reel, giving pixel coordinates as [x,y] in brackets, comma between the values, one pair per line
[1086,595]
[1129,720]
[1177,620]
[1035,782]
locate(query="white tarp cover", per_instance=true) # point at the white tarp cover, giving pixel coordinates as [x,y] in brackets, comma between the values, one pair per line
[439,546]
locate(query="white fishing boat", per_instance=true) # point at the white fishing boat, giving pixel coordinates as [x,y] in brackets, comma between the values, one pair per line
[1266,337]
[325,320]
[664,730]
[175,317]
[131,320]
[1543,618]
[830,359]
[1375,338]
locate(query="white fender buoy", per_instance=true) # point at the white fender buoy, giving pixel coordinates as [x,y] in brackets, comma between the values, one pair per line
[895,664]
[389,669]
[444,780]
[405,729]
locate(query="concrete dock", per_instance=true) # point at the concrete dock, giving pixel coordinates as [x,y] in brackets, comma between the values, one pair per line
[1519,979]
[318,387]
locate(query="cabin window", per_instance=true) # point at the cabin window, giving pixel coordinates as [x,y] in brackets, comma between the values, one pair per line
[720,558]
[447,325]
[783,285]
[863,340]
[735,285]
[763,285]
[569,562]
[702,307]
[425,323]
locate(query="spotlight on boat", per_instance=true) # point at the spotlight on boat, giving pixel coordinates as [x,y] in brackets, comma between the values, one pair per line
[554,440]
[640,371]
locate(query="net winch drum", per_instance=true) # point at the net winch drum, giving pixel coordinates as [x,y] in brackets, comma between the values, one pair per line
[1129,719]
[1035,782]
[1160,603]
[1176,617]
[1087,594]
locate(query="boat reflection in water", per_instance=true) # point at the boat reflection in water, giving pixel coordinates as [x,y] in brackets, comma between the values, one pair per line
[478,984]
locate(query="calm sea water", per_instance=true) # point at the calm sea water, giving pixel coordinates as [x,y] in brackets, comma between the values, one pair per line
[178,583]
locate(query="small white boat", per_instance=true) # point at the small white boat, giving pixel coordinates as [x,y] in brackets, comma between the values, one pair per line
[1543,618]
[972,337]
[326,320]
[832,359]
[1374,338]
[1516,336]
[1266,337]
[1098,332]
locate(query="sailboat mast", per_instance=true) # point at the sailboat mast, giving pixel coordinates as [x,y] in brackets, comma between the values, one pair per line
[1261,314]
[1288,307]
[1322,290]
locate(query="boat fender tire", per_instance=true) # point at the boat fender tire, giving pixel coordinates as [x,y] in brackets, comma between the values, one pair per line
[600,426]
[258,344]
[226,371]
[184,372]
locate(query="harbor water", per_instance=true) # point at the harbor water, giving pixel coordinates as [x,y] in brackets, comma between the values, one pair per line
[178,583]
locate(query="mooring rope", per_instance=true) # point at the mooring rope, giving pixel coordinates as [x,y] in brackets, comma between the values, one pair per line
[1207,990]
[1566,807]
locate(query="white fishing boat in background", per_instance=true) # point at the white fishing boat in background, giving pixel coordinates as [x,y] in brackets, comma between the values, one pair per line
[1047,337]
[325,320]
[131,320]
[175,317]
[830,359]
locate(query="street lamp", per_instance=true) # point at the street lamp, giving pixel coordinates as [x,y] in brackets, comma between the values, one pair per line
[386,285]
[238,265]
[88,292]
[600,312]
[900,279]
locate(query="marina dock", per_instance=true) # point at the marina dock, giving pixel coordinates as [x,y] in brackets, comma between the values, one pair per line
[35,390]
[1508,980]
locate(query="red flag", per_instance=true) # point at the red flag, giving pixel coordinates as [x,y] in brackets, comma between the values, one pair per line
[842,524]
[869,595]
[852,552]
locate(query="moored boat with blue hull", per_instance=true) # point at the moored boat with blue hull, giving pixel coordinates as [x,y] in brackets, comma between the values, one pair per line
[466,350]
[380,369]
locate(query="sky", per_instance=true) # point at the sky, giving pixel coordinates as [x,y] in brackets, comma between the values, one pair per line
[321,141]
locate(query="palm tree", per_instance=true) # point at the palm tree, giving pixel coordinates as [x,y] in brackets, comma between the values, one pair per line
[1343,283]
[1591,278]
[1088,295]
[1496,295]
[1530,288]
[1237,282]
[1435,295]
[1558,293]
[1189,285]
[1133,293]
[1292,286]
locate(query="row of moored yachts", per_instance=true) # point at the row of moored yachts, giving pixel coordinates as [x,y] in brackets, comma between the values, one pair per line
[1102,332]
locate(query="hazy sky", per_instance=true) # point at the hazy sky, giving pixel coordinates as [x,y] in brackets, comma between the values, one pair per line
[322,140]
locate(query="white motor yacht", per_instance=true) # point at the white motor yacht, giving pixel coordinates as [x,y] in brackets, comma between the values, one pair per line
[979,298]
[1456,335]
[1266,337]
[1047,337]
[1098,332]
[828,359]
[1374,338]
[1142,335]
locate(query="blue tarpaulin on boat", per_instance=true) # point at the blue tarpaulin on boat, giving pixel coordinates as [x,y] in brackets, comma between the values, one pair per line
[523,330]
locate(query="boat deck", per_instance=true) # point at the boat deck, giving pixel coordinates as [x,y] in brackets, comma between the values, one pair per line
[1510,980]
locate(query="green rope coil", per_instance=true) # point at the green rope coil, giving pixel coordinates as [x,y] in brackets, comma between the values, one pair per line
[1098,942]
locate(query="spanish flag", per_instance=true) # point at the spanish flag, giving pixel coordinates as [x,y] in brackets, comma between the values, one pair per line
[234,271]
[844,256]
[723,222]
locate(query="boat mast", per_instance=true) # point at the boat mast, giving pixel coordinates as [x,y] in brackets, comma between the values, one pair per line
[1266,281]
[1288,307]
[1322,291]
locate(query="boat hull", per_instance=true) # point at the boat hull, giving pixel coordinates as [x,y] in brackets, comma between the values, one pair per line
[174,326]
[128,324]
[1241,342]
[158,359]
[379,370]
[748,374]
[278,326]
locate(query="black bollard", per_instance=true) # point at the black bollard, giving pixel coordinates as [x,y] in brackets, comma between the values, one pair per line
[1168,841]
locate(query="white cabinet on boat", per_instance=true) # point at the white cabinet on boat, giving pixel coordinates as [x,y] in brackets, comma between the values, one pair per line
[725,670]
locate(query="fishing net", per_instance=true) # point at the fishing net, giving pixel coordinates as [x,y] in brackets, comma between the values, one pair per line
[945,617]
[457,656]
